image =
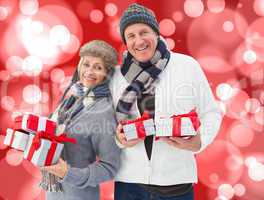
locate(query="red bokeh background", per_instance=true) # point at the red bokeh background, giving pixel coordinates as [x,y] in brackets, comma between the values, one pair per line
[39,51]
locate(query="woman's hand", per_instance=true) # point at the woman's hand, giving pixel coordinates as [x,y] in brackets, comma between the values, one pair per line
[60,169]
[120,135]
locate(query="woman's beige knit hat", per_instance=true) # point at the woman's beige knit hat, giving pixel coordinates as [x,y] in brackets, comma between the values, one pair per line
[101,49]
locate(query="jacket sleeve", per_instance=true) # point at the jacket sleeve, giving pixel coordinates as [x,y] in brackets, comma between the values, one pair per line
[207,108]
[108,153]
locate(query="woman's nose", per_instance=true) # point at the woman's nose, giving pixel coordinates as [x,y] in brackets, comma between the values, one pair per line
[88,70]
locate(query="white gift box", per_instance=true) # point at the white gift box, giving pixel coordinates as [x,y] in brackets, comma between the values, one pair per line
[16,139]
[164,127]
[131,130]
[39,156]
[33,123]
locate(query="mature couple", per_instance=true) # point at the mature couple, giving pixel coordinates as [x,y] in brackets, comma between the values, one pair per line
[151,78]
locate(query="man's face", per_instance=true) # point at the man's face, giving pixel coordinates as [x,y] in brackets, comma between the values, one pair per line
[141,41]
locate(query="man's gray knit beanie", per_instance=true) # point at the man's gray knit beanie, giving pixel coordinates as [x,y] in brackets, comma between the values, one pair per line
[136,13]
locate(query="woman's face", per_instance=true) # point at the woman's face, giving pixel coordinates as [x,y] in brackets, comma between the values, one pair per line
[92,71]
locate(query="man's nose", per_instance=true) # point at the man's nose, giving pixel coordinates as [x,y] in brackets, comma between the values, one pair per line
[139,40]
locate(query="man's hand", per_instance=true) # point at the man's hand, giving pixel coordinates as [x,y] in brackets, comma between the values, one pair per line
[191,144]
[60,169]
[122,138]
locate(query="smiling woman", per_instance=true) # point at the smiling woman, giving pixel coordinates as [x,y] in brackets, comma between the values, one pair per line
[89,117]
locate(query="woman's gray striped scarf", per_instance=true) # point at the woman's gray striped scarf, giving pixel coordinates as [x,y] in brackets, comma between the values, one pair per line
[141,77]
[67,110]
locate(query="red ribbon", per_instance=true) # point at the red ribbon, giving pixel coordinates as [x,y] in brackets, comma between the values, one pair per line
[176,129]
[12,137]
[32,123]
[145,116]
[36,143]
[141,133]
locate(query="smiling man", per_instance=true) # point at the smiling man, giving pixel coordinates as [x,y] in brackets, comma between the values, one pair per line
[152,78]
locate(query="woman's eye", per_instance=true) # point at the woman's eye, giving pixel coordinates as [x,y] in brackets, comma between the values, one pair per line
[98,67]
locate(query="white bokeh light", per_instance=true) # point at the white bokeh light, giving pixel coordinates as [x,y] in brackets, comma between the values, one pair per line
[7,103]
[111,9]
[177,16]
[250,161]
[72,46]
[14,65]
[259,7]
[252,105]
[33,40]
[167,27]
[171,43]
[226,190]
[216,6]
[249,57]
[224,91]
[59,35]
[256,172]
[13,157]
[259,116]
[193,8]
[239,189]
[32,94]
[57,75]
[37,27]
[221,198]
[3,13]
[96,16]
[32,66]
[228,26]
[28,7]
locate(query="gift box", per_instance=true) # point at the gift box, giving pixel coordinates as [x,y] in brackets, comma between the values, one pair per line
[139,128]
[44,149]
[34,123]
[16,139]
[178,125]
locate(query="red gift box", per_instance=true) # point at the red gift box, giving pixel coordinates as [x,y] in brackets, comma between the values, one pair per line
[34,123]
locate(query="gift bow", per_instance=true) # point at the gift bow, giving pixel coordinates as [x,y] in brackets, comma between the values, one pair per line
[177,122]
[53,138]
[139,124]
[145,116]
[36,143]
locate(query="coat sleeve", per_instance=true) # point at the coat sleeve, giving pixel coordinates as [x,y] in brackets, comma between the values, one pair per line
[108,153]
[207,108]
